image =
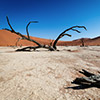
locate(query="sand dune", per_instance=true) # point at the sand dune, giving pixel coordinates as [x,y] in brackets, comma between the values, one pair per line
[9,39]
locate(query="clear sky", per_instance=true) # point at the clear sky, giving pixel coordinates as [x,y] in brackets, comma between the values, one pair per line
[54,16]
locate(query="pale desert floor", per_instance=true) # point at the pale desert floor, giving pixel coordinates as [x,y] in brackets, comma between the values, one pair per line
[45,75]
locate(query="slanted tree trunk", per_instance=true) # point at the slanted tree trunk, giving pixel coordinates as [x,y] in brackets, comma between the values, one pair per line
[28,38]
[82,41]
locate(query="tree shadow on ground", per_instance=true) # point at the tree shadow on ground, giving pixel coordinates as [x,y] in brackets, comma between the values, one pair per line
[91,80]
[84,86]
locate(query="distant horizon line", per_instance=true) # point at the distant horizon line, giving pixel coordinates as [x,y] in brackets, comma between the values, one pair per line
[63,40]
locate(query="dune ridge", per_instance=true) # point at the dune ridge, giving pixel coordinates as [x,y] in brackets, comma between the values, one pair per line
[9,39]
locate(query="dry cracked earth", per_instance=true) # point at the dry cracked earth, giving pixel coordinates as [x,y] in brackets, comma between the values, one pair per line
[46,75]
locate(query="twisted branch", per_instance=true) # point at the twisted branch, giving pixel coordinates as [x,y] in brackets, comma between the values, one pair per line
[12,30]
[27,27]
[39,45]
[27,38]
[63,34]
[24,37]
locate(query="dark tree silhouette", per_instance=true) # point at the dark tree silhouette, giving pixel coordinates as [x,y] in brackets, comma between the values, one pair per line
[28,38]
[27,27]
[51,47]
[82,41]
[64,33]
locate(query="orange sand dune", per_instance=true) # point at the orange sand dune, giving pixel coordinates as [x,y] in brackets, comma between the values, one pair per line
[9,39]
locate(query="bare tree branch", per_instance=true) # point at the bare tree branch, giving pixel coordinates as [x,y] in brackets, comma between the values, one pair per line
[67,35]
[40,45]
[75,27]
[27,27]
[62,34]
[24,37]
[28,38]
[10,24]
[76,30]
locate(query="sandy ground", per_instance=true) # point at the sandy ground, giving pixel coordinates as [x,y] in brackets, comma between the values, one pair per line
[45,75]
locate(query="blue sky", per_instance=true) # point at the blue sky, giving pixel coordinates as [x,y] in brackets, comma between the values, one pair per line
[54,16]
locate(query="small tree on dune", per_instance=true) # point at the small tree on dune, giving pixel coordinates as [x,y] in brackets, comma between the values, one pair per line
[82,41]
[64,33]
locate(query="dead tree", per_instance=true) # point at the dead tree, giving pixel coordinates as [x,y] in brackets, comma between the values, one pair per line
[64,33]
[28,38]
[91,80]
[82,41]
[51,47]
